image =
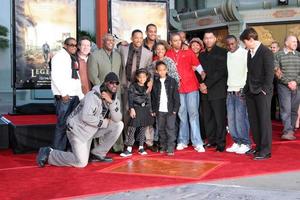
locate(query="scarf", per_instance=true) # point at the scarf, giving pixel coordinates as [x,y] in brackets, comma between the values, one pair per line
[129,63]
[74,67]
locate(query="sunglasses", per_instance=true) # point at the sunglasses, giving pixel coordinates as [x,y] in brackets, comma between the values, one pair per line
[113,83]
[72,45]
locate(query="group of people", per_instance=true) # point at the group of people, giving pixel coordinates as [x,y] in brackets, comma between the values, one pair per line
[167,90]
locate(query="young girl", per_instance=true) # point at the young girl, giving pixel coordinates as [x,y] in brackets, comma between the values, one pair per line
[140,112]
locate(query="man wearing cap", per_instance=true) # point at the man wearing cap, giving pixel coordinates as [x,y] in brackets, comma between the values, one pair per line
[97,115]
[100,63]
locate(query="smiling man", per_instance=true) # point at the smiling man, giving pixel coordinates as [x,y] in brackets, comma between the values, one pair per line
[66,88]
[134,56]
[97,115]
[103,61]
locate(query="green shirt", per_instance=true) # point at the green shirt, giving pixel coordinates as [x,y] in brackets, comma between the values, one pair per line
[289,63]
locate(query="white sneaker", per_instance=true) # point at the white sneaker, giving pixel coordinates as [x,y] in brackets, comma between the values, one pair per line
[199,148]
[243,149]
[233,148]
[181,146]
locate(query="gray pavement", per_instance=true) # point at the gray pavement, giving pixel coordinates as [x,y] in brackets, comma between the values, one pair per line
[284,186]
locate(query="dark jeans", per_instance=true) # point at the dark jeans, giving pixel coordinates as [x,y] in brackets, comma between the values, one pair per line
[63,110]
[167,131]
[289,104]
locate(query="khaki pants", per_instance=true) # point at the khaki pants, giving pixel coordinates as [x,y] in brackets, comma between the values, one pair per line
[81,150]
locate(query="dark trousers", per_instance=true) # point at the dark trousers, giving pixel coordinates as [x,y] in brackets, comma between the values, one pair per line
[214,115]
[129,138]
[63,110]
[259,108]
[167,131]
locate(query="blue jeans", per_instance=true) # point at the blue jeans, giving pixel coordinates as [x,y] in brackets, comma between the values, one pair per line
[289,104]
[63,110]
[189,118]
[237,117]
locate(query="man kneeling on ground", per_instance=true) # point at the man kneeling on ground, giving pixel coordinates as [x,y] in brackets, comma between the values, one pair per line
[97,115]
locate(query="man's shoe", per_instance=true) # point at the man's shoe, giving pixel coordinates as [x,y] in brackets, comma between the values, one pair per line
[181,146]
[210,145]
[243,149]
[262,157]
[96,158]
[288,136]
[199,149]
[43,155]
[251,152]
[234,148]
[220,148]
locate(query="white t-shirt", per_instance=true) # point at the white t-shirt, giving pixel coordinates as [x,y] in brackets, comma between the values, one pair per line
[237,69]
[163,102]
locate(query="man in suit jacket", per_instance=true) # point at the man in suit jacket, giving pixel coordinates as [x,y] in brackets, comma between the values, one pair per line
[103,61]
[213,90]
[258,91]
[133,56]
[100,63]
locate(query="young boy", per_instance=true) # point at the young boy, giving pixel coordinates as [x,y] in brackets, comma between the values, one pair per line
[165,105]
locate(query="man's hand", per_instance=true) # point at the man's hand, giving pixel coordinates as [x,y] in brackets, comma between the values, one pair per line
[65,99]
[149,85]
[106,97]
[153,114]
[292,85]
[132,113]
[203,88]
[278,72]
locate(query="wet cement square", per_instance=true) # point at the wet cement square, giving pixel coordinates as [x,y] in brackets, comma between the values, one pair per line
[165,167]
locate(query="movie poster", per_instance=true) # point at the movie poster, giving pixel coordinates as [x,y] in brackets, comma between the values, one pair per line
[129,15]
[40,29]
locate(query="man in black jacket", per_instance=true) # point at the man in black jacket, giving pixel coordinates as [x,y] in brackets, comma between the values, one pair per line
[165,105]
[258,91]
[213,89]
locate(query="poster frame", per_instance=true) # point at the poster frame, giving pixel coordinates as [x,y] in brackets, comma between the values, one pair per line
[14,67]
[140,1]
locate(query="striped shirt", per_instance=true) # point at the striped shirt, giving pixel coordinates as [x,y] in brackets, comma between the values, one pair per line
[289,63]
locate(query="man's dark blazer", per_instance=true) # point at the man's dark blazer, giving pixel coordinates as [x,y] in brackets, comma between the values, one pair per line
[260,71]
[214,64]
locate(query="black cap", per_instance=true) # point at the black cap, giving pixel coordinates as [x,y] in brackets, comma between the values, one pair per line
[111,77]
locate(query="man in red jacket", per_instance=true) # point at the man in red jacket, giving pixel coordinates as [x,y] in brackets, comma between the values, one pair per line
[186,62]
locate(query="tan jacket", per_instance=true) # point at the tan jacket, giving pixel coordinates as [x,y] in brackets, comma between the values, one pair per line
[99,65]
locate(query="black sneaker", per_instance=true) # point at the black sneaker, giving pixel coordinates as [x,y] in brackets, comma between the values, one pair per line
[43,155]
[142,152]
[126,153]
[95,158]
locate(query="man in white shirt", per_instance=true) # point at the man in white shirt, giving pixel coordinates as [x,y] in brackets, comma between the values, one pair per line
[237,116]
[66,88]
